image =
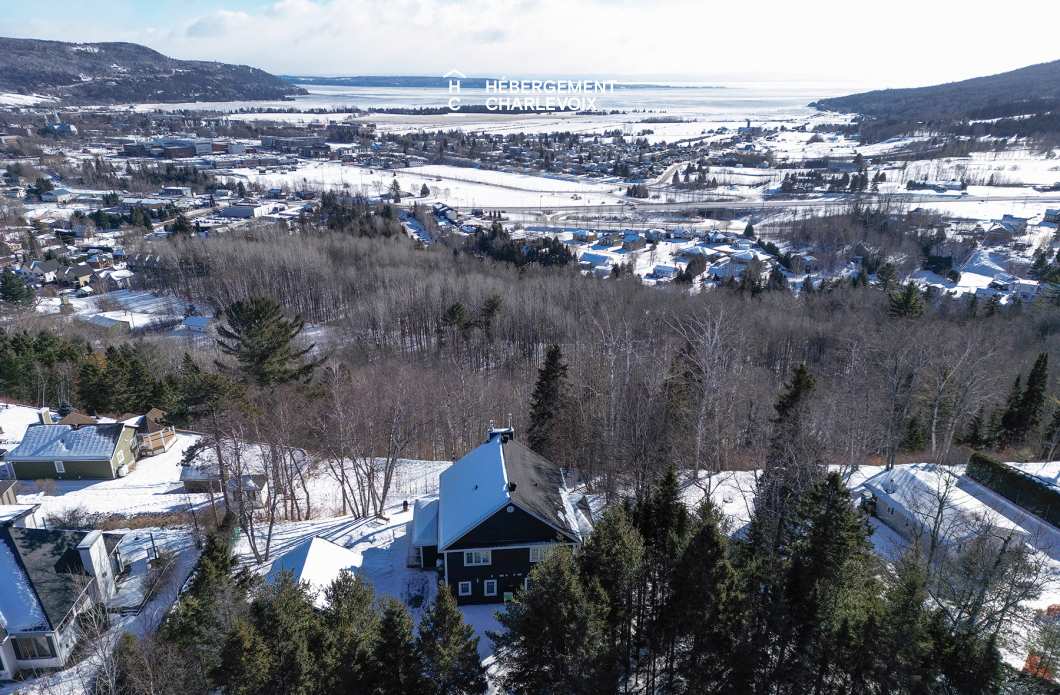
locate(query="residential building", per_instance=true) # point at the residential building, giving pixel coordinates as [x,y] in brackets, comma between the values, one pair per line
[499,510]
[68,452]
[50,577]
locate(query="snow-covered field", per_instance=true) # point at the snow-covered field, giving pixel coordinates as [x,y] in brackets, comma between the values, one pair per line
[453,185]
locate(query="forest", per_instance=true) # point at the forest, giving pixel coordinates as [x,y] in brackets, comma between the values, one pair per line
[349,342]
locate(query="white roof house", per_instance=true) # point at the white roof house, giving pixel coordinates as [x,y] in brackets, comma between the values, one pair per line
[316,561]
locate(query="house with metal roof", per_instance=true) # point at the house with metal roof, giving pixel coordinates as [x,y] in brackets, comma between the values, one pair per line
[499,510]
[70,452]
[49,578]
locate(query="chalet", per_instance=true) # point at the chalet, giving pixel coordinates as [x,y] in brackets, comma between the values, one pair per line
[77,276]
[499,510]
[44,271]
[50,578]
[66,452]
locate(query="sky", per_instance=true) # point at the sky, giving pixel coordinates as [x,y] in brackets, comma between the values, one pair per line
[894,43]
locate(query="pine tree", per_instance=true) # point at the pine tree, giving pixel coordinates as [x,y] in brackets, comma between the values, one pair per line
[1010,415]
[14,290]
[612,558]
[352,625]
[702,608]
[1032,401]
[547,404]
[905,638]
[395,658]
[246,661]
[906,302]
[554,634]
[261,339]
[286,618]
[449,649]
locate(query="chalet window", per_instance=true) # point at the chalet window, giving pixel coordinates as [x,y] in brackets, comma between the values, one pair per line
[59,467]
[490,587]
[538,552]
[38,647]
[463,588]
[474,558]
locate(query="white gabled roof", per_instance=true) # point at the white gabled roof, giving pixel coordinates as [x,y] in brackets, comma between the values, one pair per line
[316,561]
[470,490]
[425,522]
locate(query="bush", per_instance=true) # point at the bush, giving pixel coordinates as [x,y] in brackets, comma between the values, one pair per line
[1025,490]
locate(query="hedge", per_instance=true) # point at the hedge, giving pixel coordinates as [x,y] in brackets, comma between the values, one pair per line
[1029,492]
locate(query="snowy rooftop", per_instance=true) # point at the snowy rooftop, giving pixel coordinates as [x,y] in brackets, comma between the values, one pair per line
[65,442]
[316,561]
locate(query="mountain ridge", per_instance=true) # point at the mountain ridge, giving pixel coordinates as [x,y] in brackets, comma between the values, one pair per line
[124,72]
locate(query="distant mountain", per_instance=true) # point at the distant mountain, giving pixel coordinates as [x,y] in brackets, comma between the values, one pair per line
[127,72]
[1030,90]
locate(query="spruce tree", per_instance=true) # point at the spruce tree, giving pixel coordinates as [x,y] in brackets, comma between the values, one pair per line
[1032,401]
[701,607]
[261,339]
[351,624]
[554,635]
[449,649]
[547,404]
[906,640]
[13,290]
[396,664]
[286,617]
[246,661]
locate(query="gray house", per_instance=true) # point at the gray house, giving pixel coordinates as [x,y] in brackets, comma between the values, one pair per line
[68,452]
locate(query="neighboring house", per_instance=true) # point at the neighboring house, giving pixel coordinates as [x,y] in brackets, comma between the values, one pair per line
[921,501]
[500,508]
[1052,215]
[316,561]
[50,577]
[75,275]
[202,474]
[65,452]
[153,434]
[20,515]
[44,271]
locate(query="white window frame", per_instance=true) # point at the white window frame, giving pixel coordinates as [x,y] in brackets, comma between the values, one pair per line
[60,467]
[486,587]
[540,551]
[460,588]
[477,558]
[526,583]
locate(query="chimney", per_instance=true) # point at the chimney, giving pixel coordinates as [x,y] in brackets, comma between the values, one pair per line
[94,558]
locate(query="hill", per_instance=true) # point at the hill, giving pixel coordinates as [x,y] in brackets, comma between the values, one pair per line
[1030,90]
[127,72]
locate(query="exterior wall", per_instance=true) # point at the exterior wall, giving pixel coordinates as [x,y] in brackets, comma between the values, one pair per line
[101,469]
[75,470]
[508,528]
[509,566]
[430,557]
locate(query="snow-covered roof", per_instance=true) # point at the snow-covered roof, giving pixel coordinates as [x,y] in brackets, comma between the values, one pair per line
[500,472]
[89,442]
[20,611]
[470,490]
[425,522]
[316,561]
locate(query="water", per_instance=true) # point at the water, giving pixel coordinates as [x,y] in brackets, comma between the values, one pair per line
[732,100]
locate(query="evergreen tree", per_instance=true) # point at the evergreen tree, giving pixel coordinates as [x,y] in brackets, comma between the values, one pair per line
[286,618]
[905,639]
[906,302]
[351,624]
[1032,401]
[449,649]
[749,231]
[612,558]
[261,339]
[547,404]
[246,661]
[14,290]
[397,668]
[702,608]
[554,638]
